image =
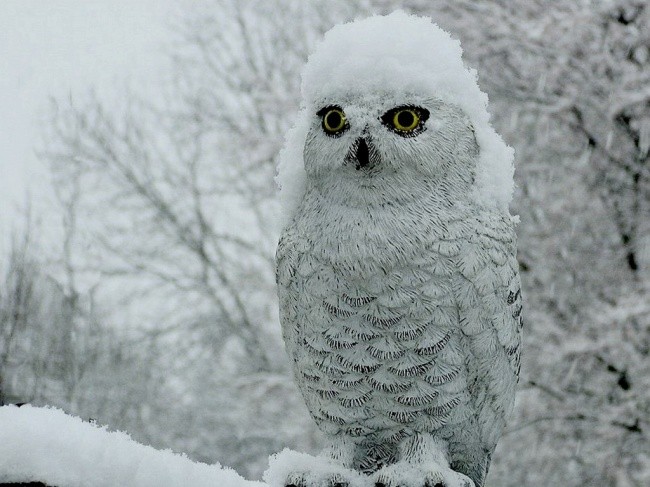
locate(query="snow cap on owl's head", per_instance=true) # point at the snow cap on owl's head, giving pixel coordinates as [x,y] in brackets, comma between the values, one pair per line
[397,53]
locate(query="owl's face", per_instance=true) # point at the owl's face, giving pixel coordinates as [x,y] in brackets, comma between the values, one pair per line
[379,147]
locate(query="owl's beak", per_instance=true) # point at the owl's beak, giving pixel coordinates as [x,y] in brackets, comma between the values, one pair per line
[362,154]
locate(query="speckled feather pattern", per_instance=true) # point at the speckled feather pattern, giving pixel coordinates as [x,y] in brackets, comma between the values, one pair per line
[400,303]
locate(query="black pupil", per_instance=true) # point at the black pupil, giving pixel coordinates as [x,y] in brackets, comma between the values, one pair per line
[333,120]
[405,118]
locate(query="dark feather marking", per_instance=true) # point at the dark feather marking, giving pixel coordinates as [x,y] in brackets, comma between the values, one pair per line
[382,322]
[444,409]
[435,348]
[512,350]
[327,393]
[347,383]
[437,380]
[384,354]
[412,371]
[417,400]
[396,436]
[310,377]
[332,418]
[357,431]
[338,312]
[512,297]
[391,388]
[361,368]
[410,333]
[313,349]
[403,416]
[329,368]
[363,336]
[355,401]
[337,344]
[357,302]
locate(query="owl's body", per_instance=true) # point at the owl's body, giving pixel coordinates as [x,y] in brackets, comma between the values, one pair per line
[401,323]
[399,292]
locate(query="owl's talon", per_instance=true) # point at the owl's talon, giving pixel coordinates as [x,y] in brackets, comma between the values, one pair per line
[427,474]
[307,480]
[296,480]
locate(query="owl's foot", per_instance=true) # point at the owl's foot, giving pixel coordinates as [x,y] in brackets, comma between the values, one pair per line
[403,474]
[423,463]
[323,478]
[293,469]
[308,480]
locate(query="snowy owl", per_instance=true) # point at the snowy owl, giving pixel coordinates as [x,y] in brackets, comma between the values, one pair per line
[397,276]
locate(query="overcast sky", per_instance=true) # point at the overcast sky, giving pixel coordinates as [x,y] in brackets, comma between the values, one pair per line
[61,48]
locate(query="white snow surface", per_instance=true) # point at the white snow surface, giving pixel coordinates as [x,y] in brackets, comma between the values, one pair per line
[47,445]
[399,53]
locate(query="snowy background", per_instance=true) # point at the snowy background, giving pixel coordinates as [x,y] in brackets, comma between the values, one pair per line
[137,215]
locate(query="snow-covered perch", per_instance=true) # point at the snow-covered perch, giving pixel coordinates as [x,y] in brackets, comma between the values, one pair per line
[47,445]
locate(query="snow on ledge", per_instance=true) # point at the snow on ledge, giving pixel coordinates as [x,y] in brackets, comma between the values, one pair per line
[47,445]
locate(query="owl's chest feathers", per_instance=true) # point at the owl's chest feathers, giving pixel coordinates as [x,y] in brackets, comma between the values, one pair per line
[373,305]
[378,351]
[364,241]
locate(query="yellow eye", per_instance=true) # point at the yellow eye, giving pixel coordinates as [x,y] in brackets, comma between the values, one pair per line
[406,120]
[334,121]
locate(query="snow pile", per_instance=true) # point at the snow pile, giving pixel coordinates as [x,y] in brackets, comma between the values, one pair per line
[47,445]
[399,53]
[42,444]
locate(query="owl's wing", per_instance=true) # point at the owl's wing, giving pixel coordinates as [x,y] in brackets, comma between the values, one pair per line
[286,258]
[488,295]
[488,291]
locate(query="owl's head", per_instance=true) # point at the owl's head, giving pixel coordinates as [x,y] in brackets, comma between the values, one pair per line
[378,147]
[390,109]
